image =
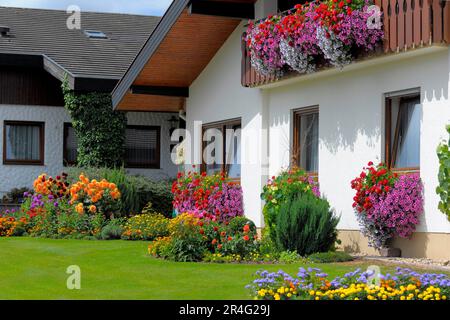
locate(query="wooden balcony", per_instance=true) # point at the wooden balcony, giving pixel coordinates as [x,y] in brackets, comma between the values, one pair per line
[408,25]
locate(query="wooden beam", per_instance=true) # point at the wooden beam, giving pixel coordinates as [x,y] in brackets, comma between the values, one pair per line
[161,91]
[236,10]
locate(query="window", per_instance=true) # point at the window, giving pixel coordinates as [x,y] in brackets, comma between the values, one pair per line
[95,34]
[142,147]
[23,143]
[402,136]
[70,145]
[306,139]
[222,148]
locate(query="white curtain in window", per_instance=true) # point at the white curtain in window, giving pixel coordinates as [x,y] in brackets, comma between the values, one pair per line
[408,153]
[234,147]
[22,142]
[309,142]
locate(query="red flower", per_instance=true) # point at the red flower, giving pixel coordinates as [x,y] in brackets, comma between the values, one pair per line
[214,241]
[230,238]
[246,238]
[246,228]
[202,231]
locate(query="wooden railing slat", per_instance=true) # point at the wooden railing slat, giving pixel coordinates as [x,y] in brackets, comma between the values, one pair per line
[409,40]
[437,21]
[393,32]
[417,22]
[386,21]
[426,22]
[447,22]
[401,24]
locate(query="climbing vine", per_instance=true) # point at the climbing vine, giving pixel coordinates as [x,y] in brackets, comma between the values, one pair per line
[442,190]
[99,129]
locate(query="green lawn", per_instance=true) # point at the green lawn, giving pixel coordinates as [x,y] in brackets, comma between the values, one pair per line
[35,269]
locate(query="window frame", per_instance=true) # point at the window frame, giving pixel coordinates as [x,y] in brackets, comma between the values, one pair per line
[220,125]
[296,150]
[66,163]
[388,144]
[24,162]
[157,164]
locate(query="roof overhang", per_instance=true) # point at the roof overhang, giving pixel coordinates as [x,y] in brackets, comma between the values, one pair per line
[41,61]
[186,39]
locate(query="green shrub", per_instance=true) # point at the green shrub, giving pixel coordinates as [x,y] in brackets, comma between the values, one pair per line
[288,257]
[113,230]
[442,190]
[329,257]
[137,191]
[279,189]
[306,224]
[267,247]
[146,227]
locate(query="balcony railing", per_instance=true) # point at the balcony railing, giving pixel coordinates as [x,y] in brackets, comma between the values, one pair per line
[408,24]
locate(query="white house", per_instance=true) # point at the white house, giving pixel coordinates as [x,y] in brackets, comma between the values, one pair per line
[350,111]
[37,50]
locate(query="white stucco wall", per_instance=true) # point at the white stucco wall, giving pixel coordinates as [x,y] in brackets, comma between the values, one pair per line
[13,176]
[351,126]
[351,122]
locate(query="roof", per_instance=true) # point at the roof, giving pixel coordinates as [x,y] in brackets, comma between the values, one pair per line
[43,33]
[188,36]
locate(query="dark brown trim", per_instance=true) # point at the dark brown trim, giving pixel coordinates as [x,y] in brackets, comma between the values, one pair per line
[41,125]
[161,91]
[298,113]
[148,165]
[235,10]
[220,125]
[66,163]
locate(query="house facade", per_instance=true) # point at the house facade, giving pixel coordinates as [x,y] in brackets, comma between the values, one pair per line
[37,52]
[331,122]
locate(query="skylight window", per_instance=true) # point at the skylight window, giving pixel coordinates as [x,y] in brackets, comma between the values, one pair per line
[95,34]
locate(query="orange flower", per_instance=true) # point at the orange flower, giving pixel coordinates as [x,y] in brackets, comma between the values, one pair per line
[92,209]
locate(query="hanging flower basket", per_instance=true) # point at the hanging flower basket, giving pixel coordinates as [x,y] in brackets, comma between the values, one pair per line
[330,31]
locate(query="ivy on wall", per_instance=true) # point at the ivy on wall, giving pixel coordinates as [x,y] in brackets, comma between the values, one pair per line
[442,190]
[99,129]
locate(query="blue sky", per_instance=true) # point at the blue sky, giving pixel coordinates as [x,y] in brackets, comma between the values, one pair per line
[146,7]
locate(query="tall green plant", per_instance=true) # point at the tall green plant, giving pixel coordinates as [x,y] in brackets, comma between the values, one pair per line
[442,190]
[306,224]
[99,129]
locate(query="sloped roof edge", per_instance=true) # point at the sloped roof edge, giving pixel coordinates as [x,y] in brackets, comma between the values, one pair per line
[149,48]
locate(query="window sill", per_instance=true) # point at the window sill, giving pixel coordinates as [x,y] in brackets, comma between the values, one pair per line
[142,167]
[22,163]
[403,171]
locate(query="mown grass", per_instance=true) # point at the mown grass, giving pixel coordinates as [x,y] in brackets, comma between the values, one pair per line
[32,268]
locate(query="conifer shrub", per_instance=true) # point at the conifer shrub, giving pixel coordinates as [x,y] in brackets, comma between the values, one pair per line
[306,224]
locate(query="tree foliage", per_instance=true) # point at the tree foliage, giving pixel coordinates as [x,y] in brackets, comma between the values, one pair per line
[442,190]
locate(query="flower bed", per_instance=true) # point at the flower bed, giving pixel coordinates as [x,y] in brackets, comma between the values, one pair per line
[56,209]
[213,197]
[328,31]
[313,284]
[387,205]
